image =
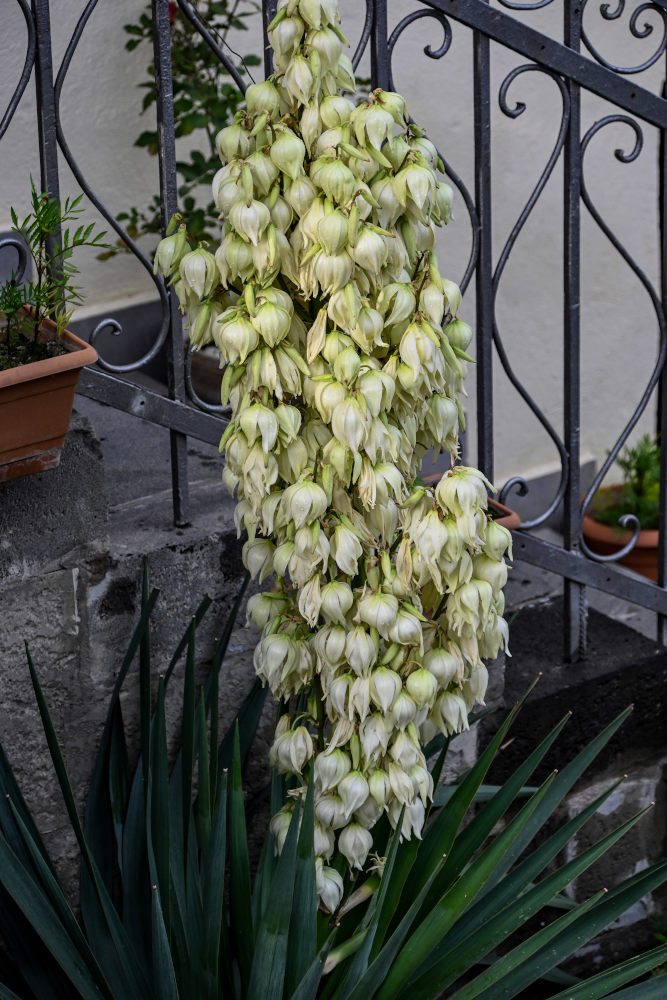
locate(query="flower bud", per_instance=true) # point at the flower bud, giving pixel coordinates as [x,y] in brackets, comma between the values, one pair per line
[263,96]
[403,710]
[422,686]
[258,557]
[298,79]
[280,824]
[353,790]
[459,334]
[330,768]
[170,252]
[355,843]
[336,110]
[385,686]
[379,786]
[310,600]
[332,231]
[444,199]
[250,219]
[337,600]
[346,549]
[360,650]
[380,611]
[288,152]
[199,271]
[329,644]
[406,629]
[349,423]
[444,664]
[232,141]
[330,811]
[263,608]
[329,886]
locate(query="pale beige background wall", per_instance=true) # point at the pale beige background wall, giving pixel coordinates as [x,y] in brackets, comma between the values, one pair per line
[100,107]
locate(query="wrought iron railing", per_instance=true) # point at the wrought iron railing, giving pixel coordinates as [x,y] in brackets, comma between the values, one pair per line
[574,64]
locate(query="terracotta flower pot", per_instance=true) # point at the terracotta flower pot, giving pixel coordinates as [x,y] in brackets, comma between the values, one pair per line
[605,540]
[502,514]
[36,405]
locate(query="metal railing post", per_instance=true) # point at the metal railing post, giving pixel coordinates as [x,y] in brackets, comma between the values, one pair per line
[46,116]
[169,204]
[484,268]
[662,384]
[268,14]
[379,47]
[574,593]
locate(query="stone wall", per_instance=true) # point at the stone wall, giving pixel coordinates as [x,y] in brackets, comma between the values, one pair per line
[70,585]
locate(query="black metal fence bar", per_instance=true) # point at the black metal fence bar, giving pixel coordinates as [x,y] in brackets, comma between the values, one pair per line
[607,577]
[169,205]
[46,108]
[574,595]
[662,385]
[149,405]
[484,273]
[379,49]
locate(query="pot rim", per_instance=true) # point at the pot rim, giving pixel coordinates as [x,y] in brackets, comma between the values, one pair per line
[79,353]
[606,533]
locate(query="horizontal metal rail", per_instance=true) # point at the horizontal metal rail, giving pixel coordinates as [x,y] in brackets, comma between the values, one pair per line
[149,405]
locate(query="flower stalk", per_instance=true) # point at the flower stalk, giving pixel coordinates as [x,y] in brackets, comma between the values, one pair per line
[345,360]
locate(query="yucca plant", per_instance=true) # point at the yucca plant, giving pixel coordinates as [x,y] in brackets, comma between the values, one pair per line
[169,910]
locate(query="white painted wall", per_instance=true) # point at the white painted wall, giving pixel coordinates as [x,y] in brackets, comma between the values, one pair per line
[100,111]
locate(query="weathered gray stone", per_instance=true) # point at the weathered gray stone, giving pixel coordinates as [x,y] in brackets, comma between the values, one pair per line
[73,590]
[45,516]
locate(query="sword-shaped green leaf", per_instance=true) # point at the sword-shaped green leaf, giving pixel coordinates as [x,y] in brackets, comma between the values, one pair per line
[267,978]
[239,877]
[302,942]
[598,987]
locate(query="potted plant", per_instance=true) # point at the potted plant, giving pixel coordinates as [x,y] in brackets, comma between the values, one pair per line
[40,359]
[638,495]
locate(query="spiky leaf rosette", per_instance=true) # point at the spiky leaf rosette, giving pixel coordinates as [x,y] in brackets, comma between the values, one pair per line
[344,358]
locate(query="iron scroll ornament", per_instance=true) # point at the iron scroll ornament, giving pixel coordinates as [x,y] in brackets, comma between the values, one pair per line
[628,521]
[517,482]
[637,30]
[26,73]
[456,180]
[109,324]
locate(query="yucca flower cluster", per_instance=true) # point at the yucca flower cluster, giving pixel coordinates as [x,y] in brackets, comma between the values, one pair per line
[343,361]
